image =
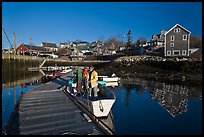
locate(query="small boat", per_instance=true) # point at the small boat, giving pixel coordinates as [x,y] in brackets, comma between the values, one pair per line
[66,71]
[54,75]
[50,76]
[109,84]
[99,106]
[108,79]
[112,84]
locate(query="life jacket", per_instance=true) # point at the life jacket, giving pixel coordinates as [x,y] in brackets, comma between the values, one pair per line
[85,72]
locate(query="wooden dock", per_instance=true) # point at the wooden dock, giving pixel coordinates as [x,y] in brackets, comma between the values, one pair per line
[47,110]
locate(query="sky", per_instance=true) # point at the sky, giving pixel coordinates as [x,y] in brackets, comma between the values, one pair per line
[90,21]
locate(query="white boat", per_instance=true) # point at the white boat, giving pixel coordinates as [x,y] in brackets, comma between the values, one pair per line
[108,79]
[112,84]
[100,106]
[66,71]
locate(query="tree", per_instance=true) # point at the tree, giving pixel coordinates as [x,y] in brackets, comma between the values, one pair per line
[196,42]
[113,43]
[138,42]
[142,40]
[129,40]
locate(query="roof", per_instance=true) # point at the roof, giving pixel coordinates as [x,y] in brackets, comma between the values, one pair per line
[80,42]
[176,26]
[85,47]
[51,45]
[32,47]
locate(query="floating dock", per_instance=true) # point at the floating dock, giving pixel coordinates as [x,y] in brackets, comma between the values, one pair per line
[47,110]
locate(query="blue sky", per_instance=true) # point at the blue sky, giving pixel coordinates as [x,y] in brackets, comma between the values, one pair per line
[68,21]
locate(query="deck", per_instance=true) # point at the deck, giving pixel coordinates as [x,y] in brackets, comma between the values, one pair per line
[47,110]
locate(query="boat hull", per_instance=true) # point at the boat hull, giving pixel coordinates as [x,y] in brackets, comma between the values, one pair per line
[99,106]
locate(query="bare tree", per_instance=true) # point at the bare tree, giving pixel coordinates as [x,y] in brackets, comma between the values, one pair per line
[142,40]
[196,42]
[113,43]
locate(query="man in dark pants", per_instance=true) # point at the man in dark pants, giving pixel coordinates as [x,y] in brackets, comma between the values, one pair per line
[79,79]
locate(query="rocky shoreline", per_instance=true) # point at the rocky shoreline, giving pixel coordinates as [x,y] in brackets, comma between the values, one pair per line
[183,72]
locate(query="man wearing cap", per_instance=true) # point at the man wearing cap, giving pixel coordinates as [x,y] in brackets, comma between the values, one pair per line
[93,81]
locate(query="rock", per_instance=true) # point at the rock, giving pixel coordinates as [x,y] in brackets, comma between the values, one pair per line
[129,64]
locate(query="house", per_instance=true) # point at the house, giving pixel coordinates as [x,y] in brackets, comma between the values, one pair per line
[158,39]
[24,49]
[177,41]
[64,45]
[96,50]
[84,47]
[50,47]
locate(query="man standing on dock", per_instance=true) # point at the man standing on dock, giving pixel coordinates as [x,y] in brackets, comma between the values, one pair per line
[79,79]
[85,79]
[93,81]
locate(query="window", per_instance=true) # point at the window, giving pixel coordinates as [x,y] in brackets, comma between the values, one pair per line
[172,38]
[183,52]
[184,37]
[168,53]
[177,30]
[172,45]
[176,52]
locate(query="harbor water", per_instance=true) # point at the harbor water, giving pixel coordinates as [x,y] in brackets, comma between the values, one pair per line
[142,107]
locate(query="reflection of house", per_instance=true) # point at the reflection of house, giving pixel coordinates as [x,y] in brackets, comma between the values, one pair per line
[23,48]
[50,47]
[173,98]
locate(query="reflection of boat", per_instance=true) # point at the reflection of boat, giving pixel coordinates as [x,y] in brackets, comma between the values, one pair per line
[100,106]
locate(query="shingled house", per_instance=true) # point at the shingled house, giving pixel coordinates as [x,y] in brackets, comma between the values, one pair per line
[177,41]
[50,47]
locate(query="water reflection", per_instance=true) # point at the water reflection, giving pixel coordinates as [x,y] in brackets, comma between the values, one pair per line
[21,82]
[144,107]
[173,98]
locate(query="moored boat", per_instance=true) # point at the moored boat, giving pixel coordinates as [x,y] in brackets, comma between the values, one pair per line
[100,106]
[50,76]
[108,79]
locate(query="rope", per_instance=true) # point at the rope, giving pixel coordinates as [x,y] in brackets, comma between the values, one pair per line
[101,106]
[7,37]
[3,132]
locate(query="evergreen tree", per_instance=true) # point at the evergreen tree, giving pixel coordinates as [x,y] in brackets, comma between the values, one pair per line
[129,40]
[138,43]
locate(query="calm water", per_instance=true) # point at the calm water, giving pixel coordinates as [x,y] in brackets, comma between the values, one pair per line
[141,107]
[22,81]
[150,108]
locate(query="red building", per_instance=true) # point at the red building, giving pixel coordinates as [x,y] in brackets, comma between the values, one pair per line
[23,49]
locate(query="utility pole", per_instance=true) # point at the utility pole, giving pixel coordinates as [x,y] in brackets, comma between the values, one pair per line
[30,45]
[14,45]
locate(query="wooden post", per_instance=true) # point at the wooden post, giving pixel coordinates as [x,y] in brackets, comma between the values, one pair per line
[14,45]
